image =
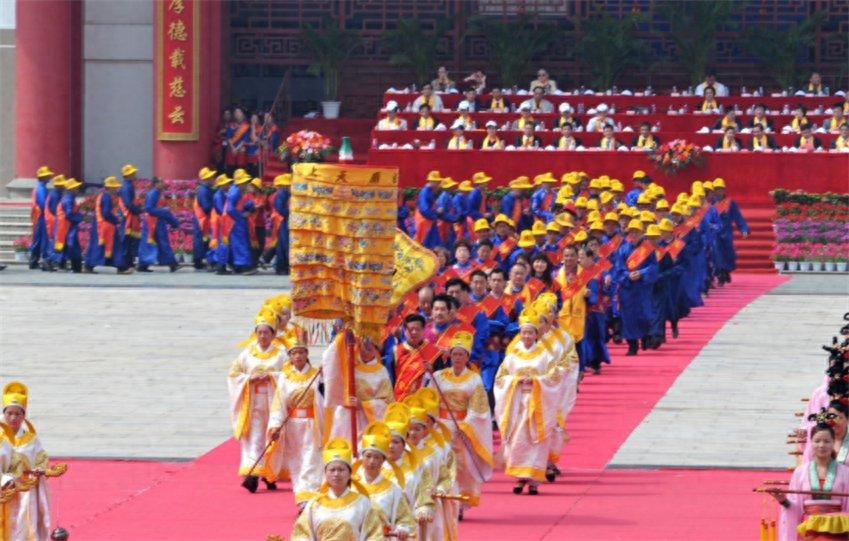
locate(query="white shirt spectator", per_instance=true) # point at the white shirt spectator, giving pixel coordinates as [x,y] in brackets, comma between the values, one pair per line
[721,89]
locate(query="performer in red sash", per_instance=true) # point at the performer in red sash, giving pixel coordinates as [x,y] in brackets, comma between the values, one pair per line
[413,359]
[443,326]
[132,211]
[201,223]
[427,233]
[104,243]
[634,271]
[66,245]
[38,247]
[238,137]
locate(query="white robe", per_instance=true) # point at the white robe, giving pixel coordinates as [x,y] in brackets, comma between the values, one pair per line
[30,511]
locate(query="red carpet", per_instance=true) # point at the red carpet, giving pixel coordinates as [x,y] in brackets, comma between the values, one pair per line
[203,500]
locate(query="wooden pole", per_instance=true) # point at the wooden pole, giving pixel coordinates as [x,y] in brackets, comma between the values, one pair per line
[808,492]
[352,388]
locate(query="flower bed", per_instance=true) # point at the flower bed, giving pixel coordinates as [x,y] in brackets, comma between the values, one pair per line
[675,156]
[811,230]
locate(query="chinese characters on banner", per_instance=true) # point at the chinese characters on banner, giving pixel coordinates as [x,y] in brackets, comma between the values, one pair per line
[177,59]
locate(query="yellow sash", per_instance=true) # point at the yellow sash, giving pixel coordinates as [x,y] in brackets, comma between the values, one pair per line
[841,143]
[706,106]
[726,145]
[527,141]
[426,122]
[758,143]
[488,143]
[457,142]
[643,142]
[497,104]
[385,123]
[522,122]
[563,143]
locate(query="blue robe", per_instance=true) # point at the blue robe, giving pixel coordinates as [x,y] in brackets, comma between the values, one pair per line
[95,254]
[39,235]
[665,292]
[508,203]
[710,227]
[221,254]
[156,248]
[692,280]
[593,344]
[53,200]
[129,243]
[473,203]
[403,214]
[281,206]
[537,200]
[240,241]
[633,195]
[199,245]
[726,256]
[445,201]
[583,347]
[635,297]
[426,206]
[73,249]
[460,209]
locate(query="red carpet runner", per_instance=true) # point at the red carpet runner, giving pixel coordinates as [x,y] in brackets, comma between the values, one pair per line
[203,500]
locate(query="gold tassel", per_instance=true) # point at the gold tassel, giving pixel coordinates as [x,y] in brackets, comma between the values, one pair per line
[772,528]
[764,525]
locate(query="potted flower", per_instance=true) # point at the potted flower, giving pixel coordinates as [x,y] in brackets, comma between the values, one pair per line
[793,257]
[779,256]
[842,258]
[21,246]
[330,48]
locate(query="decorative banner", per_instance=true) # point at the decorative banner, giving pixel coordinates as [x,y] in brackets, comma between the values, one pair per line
[178,68]
[342,224]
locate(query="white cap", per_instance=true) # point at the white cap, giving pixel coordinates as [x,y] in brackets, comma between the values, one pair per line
[602,108]
[392,106]
[491,124]
[525,107]
[458,124]
[463,106]
[565,107]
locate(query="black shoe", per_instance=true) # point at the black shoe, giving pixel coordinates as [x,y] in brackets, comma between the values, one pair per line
[494,426]
[549,475]
[644,343]
[655,342]
[269,486]
[251,483]
[223,272]
[3,267]
[555,469]
[533,491]
[249,272]
[519,487]
[633,347]
[175,267]
[675,330]
[33,265]
[460,516]
[143,268]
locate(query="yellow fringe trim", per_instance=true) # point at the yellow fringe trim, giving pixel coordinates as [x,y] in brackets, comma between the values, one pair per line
[831,524]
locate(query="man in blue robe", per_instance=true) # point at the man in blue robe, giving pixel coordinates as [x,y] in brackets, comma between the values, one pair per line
[219,249]
[729,215]
[236,220]
[66,246]
[543,198]
[641,181]
[155,246]
[104,241]
[427,231]
[635,270]
[202,218]
[132,215]
[280,224]
[53,200]
[446,218]
[38,247]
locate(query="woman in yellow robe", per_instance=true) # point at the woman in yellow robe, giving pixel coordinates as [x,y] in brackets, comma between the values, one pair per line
[252,383]
[28,512]
[286,332]
[526,403]
[296,453]
[465,411]
[338,512]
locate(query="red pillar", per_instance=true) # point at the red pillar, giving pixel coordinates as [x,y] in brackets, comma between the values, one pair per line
[47,115]
[182,159]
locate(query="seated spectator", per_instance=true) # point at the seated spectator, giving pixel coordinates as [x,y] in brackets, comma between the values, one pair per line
[492,140]
[471,101]
[543,81]
[608,141]
[392,120]
[837,119]
[566,141]
[760,140]
[498,103]
[806,141]
[566,117]
[428,98]
[465,117]
[645,139]
[800,116]
[528,139]
[760,118]
[459,140]
[709,105]
[719,89]
[729,141]
[526,118]
[477,80]
[538,104]
[601,119]
[442,83]
[814,85]
[425,121]
[730,119]
[841,142]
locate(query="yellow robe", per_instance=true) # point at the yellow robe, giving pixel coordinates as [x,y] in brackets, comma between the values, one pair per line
[30,511]
[389,499]
[350,517]
[438,458]
[417,485]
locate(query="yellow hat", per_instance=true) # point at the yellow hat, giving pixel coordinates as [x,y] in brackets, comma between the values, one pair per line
[696,183]
[606,197]
[581,202]
[447,182]
[667,225]
[639,174]
[564,219]
[552,227]
[280,304]
[15,394]
[605,182]
[463,340]
[511,223]
[652,231]
[580,236]
[584,175]
[283,180]
[466,186]
[537,180]
[111,182]
[595,183]
[549,299]
[301,340]
[596,226]
[337,449]
[244,179]
[565,192]
[128,170]
[548,178]
[538,228]
[663,204]
[43,171]
[699,191]
[521,183]
[659,190]
[611,217]
[266,316]
[648,217]
[257,182]
[376,437]
[707,185]
[222,180]
[499,218]
[694,202]
[418,409]
[206,173]
[434,176]
[628,212]
[59,180]
[529,318]
[682,198]
[594,216]
[718,183]
[397,418]
[617,187]
[240,174]
[592,204]
[644,199]
[482,225]
[72,183]
[635,224]
[526,239]
[430,398]
[621,206]
[480,178]
[677,208]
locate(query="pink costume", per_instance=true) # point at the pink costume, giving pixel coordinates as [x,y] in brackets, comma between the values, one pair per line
[819,399]
[793,516]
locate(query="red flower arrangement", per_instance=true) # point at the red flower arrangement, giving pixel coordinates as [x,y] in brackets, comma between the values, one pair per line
[305,147]
[675,156]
